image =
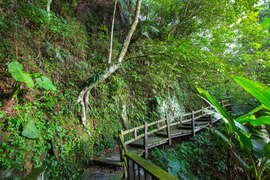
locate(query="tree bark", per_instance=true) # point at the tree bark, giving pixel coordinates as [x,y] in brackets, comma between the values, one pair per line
[83,98]
[112,28]
[49,5]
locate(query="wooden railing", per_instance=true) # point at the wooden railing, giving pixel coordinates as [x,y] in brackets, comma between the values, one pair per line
[144,131]
[139,168]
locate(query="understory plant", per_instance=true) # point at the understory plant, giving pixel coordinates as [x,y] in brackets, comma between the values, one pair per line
[246,137]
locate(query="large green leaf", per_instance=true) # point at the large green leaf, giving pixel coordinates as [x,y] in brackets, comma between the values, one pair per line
[259,146]
[258,90]
[260,121]
[241,160]
[249,116]
[217,106]
[46,83]
[16,71]
[30,130]
[222,136]
[245,118]
[266,23]
[244,139]
[267,150]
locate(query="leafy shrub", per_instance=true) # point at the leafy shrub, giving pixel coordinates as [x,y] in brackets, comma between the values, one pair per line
[247,131]
[16,70]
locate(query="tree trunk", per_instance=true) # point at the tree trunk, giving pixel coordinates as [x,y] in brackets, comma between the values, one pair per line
[83,98]
[49,5]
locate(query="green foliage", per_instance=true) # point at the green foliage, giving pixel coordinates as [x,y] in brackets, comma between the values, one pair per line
[205,151]
[30,130]
[16,70]
[253,141]
[259,91]
[46,83]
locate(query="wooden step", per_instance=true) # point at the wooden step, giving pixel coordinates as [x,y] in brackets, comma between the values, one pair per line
[197,123]
[152,141]
[204,119]
[113,159]
[175,132]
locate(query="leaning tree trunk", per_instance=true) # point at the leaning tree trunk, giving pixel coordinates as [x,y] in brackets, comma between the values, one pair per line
[83,98]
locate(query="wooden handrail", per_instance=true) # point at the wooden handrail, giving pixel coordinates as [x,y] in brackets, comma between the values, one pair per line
[184,118]
[149,169]
[152,170]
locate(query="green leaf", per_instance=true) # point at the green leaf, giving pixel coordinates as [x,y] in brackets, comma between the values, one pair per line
[223,137]
[258,145]
[36,75]
[260,121]
[258,90]
[244,139]
[30,130]
[266,23]
[242,127]
[244,119]
[267,150]
[154,29]
[46,83]
[217,106]
[241,161]
[249,116]
[17,73]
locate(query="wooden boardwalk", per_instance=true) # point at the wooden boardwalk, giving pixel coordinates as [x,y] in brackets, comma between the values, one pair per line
[149,135]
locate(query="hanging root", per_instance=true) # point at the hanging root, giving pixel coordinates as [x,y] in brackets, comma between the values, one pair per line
[83,99]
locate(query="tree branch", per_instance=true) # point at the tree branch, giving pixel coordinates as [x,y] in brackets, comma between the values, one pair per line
[83,98]
[111,44]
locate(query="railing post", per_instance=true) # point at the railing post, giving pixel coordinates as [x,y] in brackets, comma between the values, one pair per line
[145,140]
[210,116]
[229,108]
[193,124]
[123,151]
[135,133]
[168,131]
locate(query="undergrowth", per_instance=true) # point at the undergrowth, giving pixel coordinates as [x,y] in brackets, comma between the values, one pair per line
[200,157]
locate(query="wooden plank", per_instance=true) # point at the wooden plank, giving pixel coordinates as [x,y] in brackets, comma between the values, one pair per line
[134,139]
[149,167]
[163,141]
[193,124]
[175,132]
[168,131]
[156,130]
[150,141]
[198,111]
[133,129]
[156,122]
[145,143]
[186,120]
[176,123]
[186,114]
[197,123]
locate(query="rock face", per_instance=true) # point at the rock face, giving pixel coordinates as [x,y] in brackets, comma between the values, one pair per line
[99,11]
[171,107]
